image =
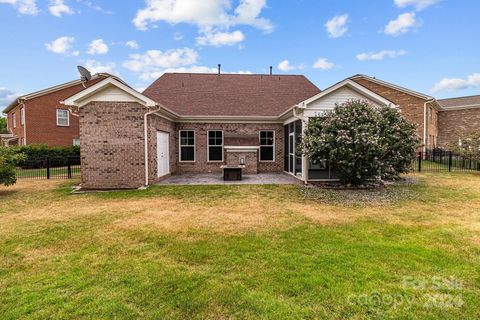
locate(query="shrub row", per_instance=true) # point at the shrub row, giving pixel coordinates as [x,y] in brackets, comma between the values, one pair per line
[40,152]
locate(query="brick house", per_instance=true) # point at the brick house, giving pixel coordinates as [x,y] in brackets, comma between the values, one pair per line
[40,118]
[198,122]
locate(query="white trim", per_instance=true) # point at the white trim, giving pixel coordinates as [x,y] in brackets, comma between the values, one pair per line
[180,146]
[241,149]
[460,107]
[14,120]
[228,119]
[393,86]
[68,118]
[208,147]
[260,146]
[353,85]
[84,97]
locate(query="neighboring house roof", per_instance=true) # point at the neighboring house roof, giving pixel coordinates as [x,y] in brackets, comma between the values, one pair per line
[460,102]
[393,86]
[53,89]
[237,95]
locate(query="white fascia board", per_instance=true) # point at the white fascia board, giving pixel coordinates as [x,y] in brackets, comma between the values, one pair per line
[352,85]
[79,99]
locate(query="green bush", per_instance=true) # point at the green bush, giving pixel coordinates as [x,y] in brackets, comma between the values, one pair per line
[361,142]
[38,152]
[8,159]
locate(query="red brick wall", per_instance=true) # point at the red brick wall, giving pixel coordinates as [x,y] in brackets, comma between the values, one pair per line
[112,145]
[455,124]
[234,129]
[41,118]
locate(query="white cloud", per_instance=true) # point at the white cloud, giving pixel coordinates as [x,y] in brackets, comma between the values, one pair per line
[323,64]
[61,45]
[6,97]
[132,44]
[402,24]
[337,26]
[455,84]
[221,39]
[177,36]
[418,4]
[59,8]
[95,66]
[23,6]
[97,46]
[286,66]
[380,55]
[207,15]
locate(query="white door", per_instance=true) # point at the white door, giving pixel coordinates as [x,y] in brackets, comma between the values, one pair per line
[163,159]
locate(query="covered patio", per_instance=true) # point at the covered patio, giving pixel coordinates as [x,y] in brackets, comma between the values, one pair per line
[217,179]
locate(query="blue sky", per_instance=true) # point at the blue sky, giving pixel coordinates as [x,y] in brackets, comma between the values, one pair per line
[427,45]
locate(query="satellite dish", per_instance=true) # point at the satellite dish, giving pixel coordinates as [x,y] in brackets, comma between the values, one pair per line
[85,75]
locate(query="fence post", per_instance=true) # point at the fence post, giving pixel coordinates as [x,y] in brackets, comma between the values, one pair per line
[48,168]
[69,169]
[420,156]
[449,161]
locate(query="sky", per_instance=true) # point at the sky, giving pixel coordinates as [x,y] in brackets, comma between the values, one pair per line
[431,46]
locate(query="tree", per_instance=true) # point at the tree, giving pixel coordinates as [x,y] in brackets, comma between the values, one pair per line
[361,142]
[3,124]
[468,145]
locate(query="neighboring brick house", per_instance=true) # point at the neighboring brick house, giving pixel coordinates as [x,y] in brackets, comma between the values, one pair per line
[40,118]
[458,117]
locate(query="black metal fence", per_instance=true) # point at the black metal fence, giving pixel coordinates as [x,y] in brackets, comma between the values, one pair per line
[439,160]
[49,168]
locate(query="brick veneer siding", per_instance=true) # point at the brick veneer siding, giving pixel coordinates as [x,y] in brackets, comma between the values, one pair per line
[250,158]
[234,129]
[455,124]
[412,107]
[41,118]
[112,145]
[155,124]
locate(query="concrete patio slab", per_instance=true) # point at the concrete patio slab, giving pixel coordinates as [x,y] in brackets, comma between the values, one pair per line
[217,179]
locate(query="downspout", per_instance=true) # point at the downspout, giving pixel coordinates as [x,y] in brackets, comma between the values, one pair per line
[145,134]
[425,124]
[24,122]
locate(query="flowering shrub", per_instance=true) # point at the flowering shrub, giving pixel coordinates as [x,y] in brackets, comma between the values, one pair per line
[362,142]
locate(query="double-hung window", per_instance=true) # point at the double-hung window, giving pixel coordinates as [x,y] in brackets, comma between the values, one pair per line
[215,146]
[267,145]
[63,118]
[187,146]
[14,120]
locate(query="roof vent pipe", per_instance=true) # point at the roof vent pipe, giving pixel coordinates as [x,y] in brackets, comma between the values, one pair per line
[271,70]
[219,68]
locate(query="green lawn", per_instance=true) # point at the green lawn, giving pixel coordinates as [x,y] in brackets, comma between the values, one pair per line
[410,251]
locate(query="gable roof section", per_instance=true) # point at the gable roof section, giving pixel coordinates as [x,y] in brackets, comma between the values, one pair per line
[117,89]
[230,95]
[393,86]
[352,85]
[460,102]
[95,78]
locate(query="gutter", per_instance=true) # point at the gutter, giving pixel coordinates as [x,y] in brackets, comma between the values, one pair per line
[425,124]
[145,134]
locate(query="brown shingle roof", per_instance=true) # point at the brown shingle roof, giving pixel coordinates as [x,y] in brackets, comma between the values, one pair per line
[460,101]
[193,94]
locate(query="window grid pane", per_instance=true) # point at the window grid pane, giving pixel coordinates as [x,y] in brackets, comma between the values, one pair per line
[267,142]
[215,145]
